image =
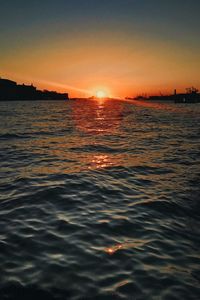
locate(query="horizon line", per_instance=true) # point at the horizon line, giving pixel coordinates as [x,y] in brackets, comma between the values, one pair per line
[85,91]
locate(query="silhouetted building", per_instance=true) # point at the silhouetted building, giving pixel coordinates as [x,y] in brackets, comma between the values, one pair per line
[7,82]
[10,90]
[191,96]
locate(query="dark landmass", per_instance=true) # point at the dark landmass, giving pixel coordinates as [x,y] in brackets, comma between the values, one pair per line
[191,96]
[10,91]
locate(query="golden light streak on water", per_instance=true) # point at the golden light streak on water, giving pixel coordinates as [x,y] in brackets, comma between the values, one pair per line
[126,245]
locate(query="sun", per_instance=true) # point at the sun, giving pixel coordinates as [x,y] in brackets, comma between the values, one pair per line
[100,94]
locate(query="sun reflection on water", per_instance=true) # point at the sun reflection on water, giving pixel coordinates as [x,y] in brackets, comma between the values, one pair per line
[113,249]
[97,116]
[137,244]
[100,161]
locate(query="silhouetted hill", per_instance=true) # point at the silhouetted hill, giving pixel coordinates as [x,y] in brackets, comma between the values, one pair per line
[10,90]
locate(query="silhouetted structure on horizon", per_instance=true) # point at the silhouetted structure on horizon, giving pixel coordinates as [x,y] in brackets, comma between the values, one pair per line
[192,95]
[10,90]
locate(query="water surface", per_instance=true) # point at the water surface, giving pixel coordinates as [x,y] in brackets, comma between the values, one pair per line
[99,200]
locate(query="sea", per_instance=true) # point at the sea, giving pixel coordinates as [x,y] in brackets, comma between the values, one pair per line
[99,199]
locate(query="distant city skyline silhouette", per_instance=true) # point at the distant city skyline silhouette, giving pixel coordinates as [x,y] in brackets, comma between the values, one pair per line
[10,90]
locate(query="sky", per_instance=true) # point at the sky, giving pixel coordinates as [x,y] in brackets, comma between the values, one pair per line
[122,47]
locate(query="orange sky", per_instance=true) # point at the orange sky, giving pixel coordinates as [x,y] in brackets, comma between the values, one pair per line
[122,61]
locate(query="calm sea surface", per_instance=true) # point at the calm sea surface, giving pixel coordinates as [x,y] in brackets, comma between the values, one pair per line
[99,200]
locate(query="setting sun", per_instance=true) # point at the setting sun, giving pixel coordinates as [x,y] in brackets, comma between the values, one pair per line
[100,94]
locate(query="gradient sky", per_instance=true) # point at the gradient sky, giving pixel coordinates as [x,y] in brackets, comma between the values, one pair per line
[124,47]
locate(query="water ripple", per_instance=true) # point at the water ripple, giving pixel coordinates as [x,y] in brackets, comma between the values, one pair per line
[99,201]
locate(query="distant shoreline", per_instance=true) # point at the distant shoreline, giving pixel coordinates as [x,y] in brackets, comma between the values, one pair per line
[191,96]
[11,91]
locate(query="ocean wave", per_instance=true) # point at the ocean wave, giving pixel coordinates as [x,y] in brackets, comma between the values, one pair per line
[99,216]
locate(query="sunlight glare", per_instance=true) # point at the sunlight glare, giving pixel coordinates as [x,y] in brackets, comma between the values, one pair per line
[100,94]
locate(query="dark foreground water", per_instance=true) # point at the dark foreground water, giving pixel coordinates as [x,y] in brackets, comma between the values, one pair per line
[99,200]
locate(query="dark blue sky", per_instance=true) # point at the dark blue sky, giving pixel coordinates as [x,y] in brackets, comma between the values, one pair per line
[47,23]
[172,17]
